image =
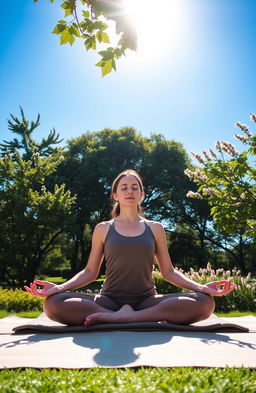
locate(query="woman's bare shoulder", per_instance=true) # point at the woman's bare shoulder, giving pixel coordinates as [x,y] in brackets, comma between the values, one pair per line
[101,229]
[156,227]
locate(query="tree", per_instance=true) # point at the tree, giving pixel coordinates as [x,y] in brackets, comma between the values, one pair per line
[31,217]
[93,160]
[83,19]
[27,145]
[229,184]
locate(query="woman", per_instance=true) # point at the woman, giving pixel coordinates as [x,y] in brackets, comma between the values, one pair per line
[129,244]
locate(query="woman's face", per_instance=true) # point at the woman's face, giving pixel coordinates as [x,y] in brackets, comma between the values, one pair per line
[128,191]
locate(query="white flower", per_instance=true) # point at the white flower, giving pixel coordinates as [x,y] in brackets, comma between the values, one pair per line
[210,191]
[243,127]
[253,117]
[198,157]
[218,146]
[214,155]
[195,195]
[241,138]
[229,148]
[189,173]
[243,196]
[208,158]
[200,175]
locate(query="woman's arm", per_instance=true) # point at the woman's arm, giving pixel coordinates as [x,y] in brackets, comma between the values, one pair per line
[177,278]
[84,277]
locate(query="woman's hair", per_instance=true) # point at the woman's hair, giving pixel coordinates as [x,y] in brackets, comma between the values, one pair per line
[116,207]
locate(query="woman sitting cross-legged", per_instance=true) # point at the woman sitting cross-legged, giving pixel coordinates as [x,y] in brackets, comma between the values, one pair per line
[129,243]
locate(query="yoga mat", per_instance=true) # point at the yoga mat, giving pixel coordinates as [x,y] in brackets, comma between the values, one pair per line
[213,323]
[123,348]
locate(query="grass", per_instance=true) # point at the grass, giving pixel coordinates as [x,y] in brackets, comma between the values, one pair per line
[141,380]
[235,314]
[55,280]
[22,314]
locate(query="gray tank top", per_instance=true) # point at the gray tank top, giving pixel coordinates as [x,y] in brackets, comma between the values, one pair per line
[129,264]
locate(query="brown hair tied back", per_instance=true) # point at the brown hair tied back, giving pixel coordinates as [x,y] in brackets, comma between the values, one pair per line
[116,207]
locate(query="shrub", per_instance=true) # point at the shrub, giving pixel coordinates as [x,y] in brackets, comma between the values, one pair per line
[242,298]
[16,300]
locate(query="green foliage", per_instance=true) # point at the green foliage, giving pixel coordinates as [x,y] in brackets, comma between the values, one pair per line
[142,380]
[229,184]
[83,19]
[31,217]
[18,300]
[32,214]
[93,160]
[242,298]
[27,144]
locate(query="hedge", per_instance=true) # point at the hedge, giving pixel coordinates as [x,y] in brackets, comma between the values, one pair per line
[242,298]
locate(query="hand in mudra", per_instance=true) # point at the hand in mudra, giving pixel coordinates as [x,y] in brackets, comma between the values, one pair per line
[219,288]
[48,288]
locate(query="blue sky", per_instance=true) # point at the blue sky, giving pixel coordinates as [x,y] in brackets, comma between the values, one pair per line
[193,84]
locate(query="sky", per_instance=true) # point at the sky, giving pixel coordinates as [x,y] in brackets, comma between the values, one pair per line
[193,76]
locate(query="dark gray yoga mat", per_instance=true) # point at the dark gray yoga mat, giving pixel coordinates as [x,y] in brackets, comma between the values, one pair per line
[213,323]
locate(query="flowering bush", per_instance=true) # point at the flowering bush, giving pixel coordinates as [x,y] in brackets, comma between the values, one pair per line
[227,179]
[16,300]
[242,298]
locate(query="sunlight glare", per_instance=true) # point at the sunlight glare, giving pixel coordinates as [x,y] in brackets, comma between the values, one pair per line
[159,25]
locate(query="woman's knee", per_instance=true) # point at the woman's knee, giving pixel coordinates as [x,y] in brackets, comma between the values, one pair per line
[52,303]
[207,304]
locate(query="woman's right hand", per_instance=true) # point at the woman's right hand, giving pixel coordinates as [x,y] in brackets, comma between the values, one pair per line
[48,288]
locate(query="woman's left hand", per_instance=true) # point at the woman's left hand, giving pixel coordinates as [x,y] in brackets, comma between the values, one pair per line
[212,288]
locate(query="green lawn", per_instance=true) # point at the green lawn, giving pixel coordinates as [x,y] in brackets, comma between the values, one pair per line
[141,380]
[235,314]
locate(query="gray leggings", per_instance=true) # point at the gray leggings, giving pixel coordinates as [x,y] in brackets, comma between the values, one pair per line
[114,304]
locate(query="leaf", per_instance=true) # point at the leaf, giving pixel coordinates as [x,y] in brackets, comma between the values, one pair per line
[68,7]
[59,28]
[68,12]
[99,36]
[66,37]
[98,24]
[74,30]
[86,14]
[90,43]
[105,38]
[106,66]
[107,54]
[113,64]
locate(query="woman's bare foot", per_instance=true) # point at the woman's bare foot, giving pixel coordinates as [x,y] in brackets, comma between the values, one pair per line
[122,315]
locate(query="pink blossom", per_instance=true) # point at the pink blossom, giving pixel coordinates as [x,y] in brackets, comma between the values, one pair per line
[243,127]
[253,117]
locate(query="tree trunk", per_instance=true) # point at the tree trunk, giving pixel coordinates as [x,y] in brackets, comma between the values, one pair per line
[241,254]
[74,259]
[32,268]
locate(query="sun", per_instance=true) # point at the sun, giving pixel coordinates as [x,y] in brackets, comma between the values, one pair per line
[158,23]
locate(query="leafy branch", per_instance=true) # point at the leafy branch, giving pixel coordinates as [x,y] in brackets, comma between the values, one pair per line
[89,27]
[229,184]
